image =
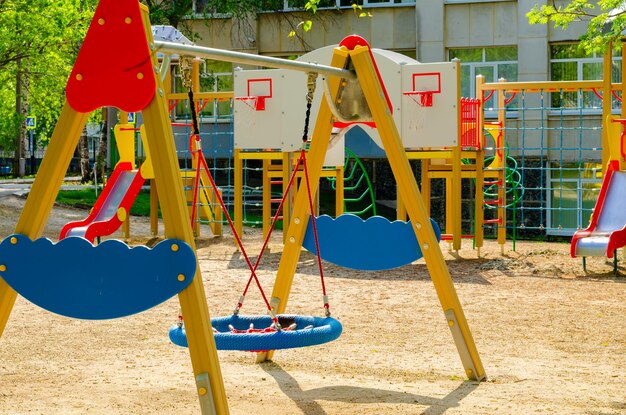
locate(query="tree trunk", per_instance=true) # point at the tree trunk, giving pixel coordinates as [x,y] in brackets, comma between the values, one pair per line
[102,146]
[83,151]
[21,108]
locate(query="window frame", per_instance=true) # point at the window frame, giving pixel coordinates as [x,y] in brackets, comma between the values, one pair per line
[580,62]
[204,73]
[472,65]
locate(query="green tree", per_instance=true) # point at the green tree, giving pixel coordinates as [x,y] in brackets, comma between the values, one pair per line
[39,40]
[606,20]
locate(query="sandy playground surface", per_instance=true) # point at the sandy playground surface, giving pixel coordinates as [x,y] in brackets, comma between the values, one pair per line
[552,340]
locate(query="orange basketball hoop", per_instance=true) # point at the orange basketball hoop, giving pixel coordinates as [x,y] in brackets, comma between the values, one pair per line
[422,98]
[256,103]
[258,90]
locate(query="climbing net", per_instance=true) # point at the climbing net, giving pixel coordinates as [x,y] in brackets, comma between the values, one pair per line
[553,145]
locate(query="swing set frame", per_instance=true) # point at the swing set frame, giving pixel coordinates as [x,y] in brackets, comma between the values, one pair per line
[100,46]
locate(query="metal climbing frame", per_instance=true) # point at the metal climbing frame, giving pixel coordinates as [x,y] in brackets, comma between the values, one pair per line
[554,138]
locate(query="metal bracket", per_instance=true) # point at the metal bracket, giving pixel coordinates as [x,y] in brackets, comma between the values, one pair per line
[203,386]
[461,345]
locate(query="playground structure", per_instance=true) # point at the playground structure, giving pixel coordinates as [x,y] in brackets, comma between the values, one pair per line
[421,98]
[113,206]
[539,136]
[100,77]
[556,143]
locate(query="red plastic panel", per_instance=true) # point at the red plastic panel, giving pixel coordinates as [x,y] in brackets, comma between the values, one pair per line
[113,67]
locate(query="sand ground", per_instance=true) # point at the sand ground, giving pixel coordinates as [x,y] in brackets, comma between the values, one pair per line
[552,340]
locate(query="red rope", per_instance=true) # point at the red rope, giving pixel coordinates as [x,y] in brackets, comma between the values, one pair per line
[202,160]
[196,188]
[274,220]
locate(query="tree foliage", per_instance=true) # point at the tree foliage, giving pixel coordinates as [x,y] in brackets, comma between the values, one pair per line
[606,20]
[40,38]
[170,13]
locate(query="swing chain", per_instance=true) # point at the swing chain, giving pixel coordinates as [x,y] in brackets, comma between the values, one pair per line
[185,65]
[311,83]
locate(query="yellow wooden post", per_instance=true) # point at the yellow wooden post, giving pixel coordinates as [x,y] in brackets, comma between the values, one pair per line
[339,189]
[154,209]
[449,209]
[267,196]
[123,120]
[623,83]
[238,190]
[424,232]
[300,214]
[425,166]
[45,188]
[287,170]
[479,196]
[606,102]
[502,176]
[193,302]
[457,180]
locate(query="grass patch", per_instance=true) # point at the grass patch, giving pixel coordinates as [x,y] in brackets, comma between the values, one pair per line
[86,198]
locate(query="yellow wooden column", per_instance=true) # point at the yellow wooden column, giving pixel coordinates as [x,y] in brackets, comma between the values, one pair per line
[426,185]
[606,102]
[267,196]
[288,166]
[424,232]
[300,213]
[204,359]
[502,176]
[339,189]
[238,190]
[154,210]
[479,196]
[457,180]
[123,119]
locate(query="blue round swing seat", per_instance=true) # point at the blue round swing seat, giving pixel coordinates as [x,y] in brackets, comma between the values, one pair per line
[234,332]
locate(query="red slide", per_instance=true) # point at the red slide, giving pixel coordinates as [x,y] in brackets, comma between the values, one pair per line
[607,230]
[119,193]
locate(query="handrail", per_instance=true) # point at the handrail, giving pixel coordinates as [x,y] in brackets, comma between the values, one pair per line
[547,85]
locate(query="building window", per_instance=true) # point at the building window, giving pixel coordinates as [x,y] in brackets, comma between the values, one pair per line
[199,6]
[569,63]
[573,192]
[332,4]
[215,76]
[493,63]
[215,7]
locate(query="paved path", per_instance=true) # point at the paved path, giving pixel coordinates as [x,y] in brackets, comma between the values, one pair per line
[21,187]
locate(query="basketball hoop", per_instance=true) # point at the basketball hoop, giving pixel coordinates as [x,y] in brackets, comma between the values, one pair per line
[258,90]
[422,98]
[256,103]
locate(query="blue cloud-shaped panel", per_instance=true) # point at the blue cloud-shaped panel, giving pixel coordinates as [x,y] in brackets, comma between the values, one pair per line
[77,279]
[373,244]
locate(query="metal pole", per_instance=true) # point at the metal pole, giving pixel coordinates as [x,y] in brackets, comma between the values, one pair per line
[32,151]
[250,59]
